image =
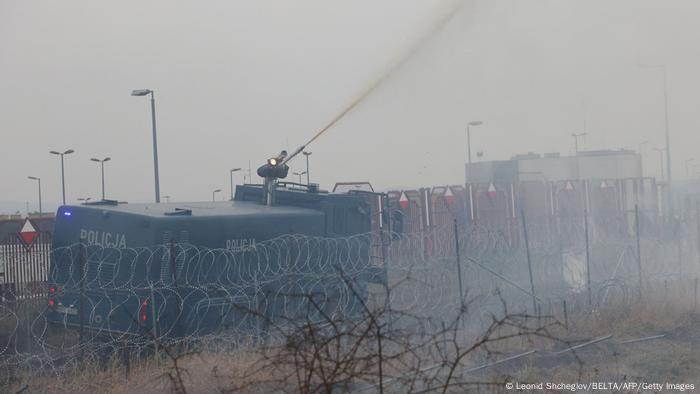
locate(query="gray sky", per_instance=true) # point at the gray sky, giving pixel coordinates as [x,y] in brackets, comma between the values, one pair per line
[236,80]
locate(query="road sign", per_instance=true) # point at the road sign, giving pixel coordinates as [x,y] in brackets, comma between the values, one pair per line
[492,191]
[449,197]
[28,234]
[403,200]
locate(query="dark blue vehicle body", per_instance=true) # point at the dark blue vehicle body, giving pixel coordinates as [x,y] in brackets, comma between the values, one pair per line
[165,269]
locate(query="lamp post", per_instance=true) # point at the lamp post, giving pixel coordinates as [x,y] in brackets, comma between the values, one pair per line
[576,135]
[39,182]
[661,161]
[213,194]
[63,173]
[662,68]
[642,144]
[469,144]
[307,154]
[300,174]
[232,171]
[687,169]
[145,92]
[102,164]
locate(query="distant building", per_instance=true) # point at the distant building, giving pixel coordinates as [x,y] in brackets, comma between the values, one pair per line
[10,217]
[607,184]
[552,167]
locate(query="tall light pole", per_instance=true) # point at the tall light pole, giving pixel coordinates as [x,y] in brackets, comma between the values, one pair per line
[687,169]
[661,160]
[213,194]
[102,164]
[307,154]
[232,171]
[145,92]
[39,182]
[300,174]
[642,144]
[576,135]
[662,67]
[469,144]
[63,173]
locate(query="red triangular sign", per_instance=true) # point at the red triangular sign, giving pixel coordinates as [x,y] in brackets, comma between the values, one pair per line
[28,233]
[403,201]
[492,190]
[449,197]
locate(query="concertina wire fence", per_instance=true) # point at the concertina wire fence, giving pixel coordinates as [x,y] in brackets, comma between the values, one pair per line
[227,298]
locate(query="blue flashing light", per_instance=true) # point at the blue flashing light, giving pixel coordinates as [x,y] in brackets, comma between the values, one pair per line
[67,213]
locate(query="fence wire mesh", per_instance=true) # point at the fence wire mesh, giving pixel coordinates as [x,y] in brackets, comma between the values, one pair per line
[99,303]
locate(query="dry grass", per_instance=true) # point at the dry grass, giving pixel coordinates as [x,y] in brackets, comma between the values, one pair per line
[674,358]
[202,373]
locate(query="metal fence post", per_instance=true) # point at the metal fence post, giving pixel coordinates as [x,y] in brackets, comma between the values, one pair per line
[697,216]
[639,247]
[680,249]
[154,331]
[588,258]
[459,267]
[81,306]
[529,261]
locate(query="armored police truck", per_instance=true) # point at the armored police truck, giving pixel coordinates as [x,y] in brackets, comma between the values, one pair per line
[182,269]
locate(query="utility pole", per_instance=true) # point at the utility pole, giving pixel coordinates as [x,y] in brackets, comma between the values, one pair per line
[576,135]
[469,148]
[145,92]
[300,174]
[669,193]
[307,154]
[102,163]
[39,182]
[232,171]
[661,162]
[63,173]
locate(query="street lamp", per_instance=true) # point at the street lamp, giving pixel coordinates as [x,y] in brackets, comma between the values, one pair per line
[307,154]
[145,92]
[39,182]
[640,146]
[213,194]
[669,190]
[661,161]
[232,171]
[662,67]
[300,174]
[102,164]
[63,173]
[469,138]
[469,145]
[576,135]
[687,170]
